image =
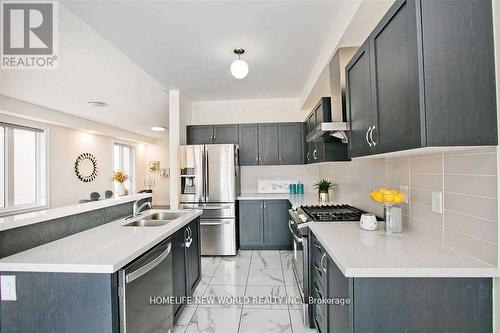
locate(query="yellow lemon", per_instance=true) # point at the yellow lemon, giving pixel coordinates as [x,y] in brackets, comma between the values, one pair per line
[388,197]
[399,197]
[376,196]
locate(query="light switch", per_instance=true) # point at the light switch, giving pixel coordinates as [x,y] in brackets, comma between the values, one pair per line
[437,202]
[8,288]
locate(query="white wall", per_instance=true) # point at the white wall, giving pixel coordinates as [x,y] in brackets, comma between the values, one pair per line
[247,111]
[160,186]
[66,144]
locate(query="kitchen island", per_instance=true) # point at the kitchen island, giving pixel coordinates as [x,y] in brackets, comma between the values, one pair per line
[79,283]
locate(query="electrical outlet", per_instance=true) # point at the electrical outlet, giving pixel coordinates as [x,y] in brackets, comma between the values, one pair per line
[8,288]
[404,190]
[437,202]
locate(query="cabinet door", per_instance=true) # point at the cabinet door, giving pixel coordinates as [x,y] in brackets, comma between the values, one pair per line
[339,286]
[225,134]
[251,220]
[200,134]
[193,255]
[276,223]
[290,143]
[311,122]
[268,144]
[179,267]
[395,83]
[359,101]
[323,111]
[249,144]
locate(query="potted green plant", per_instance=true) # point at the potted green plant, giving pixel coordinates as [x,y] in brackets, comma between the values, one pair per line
[323,187]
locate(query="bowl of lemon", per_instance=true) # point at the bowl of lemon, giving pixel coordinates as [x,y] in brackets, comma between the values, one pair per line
[387,196]
[393,212]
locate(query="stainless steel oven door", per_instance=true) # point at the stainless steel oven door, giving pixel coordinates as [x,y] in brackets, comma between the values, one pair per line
[298,257]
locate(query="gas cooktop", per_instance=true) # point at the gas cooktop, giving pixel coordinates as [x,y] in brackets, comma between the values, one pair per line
[329,213]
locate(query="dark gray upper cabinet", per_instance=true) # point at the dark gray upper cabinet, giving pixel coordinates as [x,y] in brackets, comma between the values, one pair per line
[359,101]
[459,72]
[249,144]
[323,111]
[291,143]
[425,77]
[395,81]
[200,134]
[268,144]
[251,223]
[226,134]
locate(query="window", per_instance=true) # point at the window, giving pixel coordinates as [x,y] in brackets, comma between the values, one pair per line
[22,168]
[124,160]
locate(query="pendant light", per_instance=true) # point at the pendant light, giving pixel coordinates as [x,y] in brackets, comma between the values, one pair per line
[239,68]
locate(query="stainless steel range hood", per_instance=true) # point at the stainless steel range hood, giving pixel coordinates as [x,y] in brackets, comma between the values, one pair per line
[337,129]
[329,132]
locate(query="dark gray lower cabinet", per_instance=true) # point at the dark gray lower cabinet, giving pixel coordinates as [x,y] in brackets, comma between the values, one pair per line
[179,285]
[193,257]
[263,224]
[394,305]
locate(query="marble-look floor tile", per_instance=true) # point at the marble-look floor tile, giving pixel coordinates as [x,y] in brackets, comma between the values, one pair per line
[266,253]
[286,259]
[289,277]
[235,262]
[207,273]
[214,320]
[265,320]
[244,253]
[297,318]
[218,295]
[230,276]
[200,289]
[186,315]
[265,277]
[295,299]
[210,262]
[178,328]
[260,262]
[266,297]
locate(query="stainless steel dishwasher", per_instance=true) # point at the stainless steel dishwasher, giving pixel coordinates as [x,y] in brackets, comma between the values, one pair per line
[142,285]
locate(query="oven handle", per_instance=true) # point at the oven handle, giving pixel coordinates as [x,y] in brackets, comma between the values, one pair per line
[297,239]
[149,266]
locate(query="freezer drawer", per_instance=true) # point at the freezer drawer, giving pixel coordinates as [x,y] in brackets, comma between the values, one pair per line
[212,210]
[218,237]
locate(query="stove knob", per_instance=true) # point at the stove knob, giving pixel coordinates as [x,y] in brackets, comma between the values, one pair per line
[303,218]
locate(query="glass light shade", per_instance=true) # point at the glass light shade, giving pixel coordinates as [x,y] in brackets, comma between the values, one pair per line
[239,69]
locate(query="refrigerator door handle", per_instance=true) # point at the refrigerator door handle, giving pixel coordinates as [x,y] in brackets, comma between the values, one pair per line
[207,176]
[204,175]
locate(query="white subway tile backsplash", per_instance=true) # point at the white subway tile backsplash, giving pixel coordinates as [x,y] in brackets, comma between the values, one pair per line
[473,164]
[472,185]
[467,178]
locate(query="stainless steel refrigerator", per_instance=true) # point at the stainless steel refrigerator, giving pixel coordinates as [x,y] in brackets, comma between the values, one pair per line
[210,180]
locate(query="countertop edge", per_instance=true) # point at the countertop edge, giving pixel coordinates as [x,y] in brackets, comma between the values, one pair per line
[472,272]
[93,268]
[21,220]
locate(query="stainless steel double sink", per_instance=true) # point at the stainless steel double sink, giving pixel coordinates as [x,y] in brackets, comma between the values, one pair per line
[155,219]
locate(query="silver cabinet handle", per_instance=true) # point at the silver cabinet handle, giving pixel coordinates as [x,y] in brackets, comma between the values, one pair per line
[215,223]
[297,239]
[319,293]
[314,154]
[262,205]
[149,266]
[371,136]
[366,136]
[317,246]
[308,158]
[318,269]
[321,262]
[257,159]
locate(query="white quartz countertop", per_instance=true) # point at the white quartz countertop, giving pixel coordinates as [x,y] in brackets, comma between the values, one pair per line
[20,220]
[360,253]
[104,249]
[294,199]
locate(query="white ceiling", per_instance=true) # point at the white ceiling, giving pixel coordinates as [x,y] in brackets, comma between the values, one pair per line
[188,45]
[90,68]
